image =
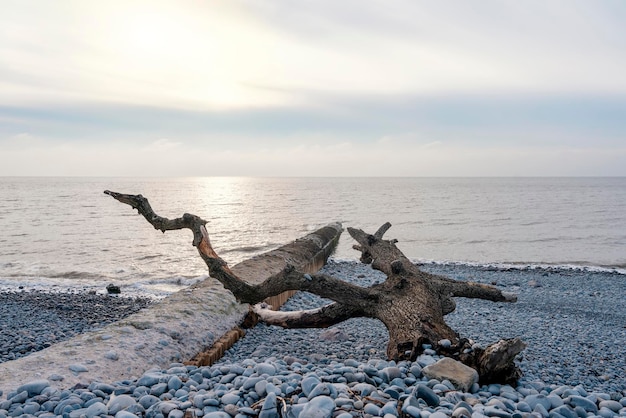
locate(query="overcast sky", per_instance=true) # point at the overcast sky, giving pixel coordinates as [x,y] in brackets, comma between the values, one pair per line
[313,88]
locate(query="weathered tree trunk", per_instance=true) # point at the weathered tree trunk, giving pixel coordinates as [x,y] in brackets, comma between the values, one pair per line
[411,303]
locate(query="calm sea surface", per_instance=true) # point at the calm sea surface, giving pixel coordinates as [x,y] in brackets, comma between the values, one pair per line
[60,233]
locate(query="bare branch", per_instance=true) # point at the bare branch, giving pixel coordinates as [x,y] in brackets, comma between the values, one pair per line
[474,290]
[321,285]
[381,231]
[288,279]
[322,317]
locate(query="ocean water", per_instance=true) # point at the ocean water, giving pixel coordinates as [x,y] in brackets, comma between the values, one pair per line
[64,233]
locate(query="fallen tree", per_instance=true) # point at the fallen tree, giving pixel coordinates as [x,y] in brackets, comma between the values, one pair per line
[410,303]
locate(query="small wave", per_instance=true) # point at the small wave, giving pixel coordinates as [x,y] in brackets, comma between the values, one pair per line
[77,275]
[149,256]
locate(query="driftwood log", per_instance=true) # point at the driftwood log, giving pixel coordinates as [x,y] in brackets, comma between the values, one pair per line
[410,303]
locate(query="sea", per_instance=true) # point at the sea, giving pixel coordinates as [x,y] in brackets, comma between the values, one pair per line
[65,234]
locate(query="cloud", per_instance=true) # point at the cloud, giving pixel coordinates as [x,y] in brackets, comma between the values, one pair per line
[163,144]
[242,54]
[274,88]
[322,158]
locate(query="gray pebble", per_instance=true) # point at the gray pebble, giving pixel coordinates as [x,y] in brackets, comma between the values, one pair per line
[78,368]
[319,407]
[119,403]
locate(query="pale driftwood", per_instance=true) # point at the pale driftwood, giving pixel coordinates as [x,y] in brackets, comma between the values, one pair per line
[410,303]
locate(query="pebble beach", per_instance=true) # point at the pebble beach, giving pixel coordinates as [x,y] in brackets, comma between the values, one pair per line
[572,320]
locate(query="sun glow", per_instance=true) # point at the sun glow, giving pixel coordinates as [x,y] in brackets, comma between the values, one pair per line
[164,54]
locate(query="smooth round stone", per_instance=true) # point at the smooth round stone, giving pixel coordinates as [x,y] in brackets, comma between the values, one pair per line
[265,368]
[339,402]
[97,409]
[426,360]
[439,387]
[390,408]
[416,371]
[230,398]
[319,407]
[390,373]
[148,400]
[211,402]
[31,408]
[611,404]
[492,411]
[309,383]
[78,368]
[158,389]
[269,409]
[177,370]
[111,355]
[461,412]
[351,363]
[427,394]
[149,379]
[363,388]
[217,414]
[166,407]
[509,394]
[174,383]
[372,409]
[321,389]
[250,382]
[247,411]
[392,392]
[534,400]
[541,410]
[34,388]
[176,413]
[260,387]
[464,404]
[438,414]
[19,397]
[413,411]
[494,389]
[370,370]
[91,402]
[119,403]
[605,412]
[523,407]
[565,411]
[181,394]
[583,402]
[104,387]
[125,414]
[555,401]
[228,378]
[272,388]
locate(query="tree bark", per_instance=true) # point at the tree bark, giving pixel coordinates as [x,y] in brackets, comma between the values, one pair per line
[410,303]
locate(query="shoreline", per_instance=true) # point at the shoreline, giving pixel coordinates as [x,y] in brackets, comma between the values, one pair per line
[32,320]
[592,300]
[573,323]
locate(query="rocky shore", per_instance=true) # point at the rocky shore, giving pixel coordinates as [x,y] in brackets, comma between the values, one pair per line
[575,365]
[33,320]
